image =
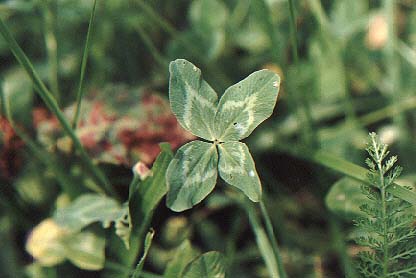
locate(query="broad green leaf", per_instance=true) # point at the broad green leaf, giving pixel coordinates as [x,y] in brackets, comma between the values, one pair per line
[184,254]
[236,167]
[345,198]
[147,243]
[85,250]
[191,175]
[192,100]
[87,209]
[245,105]
[144,196]
[208,265]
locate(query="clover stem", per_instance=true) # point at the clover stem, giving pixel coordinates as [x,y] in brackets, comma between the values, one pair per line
[272,238]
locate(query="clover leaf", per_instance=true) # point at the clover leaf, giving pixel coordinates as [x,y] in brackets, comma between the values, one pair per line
[192,173]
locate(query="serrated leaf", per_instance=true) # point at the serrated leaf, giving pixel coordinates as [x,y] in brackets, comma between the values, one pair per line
[245,105]
[191,175]
[208,265]
[192,100]
[86,209]
[236,167]
[184,254]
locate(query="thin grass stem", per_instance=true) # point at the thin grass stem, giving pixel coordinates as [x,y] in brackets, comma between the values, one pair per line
[80,92]
[392,64]
[51,103]
[293,37]
[308,133]
[272,238]
[63,179]
[157,56]
[263,242]
[188,45]
[49,14]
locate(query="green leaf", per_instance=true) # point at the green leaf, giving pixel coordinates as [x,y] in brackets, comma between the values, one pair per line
[263,242]
[183,255]
[208,265]
[236,167]
[85,53]
[192,100]
[44,243]
[191,175]
[86,209]
[147,244]
[345,198]
[143,199]
[145,196]
[85,250]
[51,103]
[50,244]
[245,105]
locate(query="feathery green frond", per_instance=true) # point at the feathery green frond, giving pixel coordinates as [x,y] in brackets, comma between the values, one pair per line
[387,230]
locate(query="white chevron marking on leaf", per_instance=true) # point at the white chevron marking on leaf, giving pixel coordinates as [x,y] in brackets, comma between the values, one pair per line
[193,96]
[249,104]
[238,157]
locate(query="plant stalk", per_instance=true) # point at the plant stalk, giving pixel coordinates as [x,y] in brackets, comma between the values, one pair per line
[80,92]
[272,238]
[263,242]
[308,133]
[49,14]
[51,103]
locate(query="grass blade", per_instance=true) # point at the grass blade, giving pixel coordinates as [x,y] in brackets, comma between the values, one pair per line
[51,103]
[157,56]
[308,133]
[262,240]
[50,162]
[49,9]
[272,238]
[80,92]
[293,38]
[352,170]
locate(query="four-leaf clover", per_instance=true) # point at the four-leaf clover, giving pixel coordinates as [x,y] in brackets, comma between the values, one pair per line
[192,173]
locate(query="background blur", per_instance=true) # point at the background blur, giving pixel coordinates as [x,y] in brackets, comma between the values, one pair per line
[355,72]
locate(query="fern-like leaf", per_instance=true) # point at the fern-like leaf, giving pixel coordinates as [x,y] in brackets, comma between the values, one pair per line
[388,230]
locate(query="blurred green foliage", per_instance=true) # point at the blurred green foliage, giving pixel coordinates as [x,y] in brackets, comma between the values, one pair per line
[355,73]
